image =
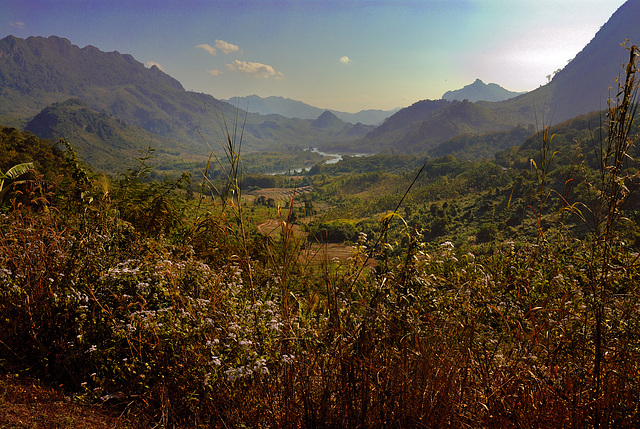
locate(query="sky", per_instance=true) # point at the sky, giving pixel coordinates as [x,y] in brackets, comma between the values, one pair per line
[347,55]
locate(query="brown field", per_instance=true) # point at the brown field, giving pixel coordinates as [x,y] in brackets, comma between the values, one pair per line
[278,194]
[316,252]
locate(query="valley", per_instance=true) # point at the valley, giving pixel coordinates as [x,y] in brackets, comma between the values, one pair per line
[168,259]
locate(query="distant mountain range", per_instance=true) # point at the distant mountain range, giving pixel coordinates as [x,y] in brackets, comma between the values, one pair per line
[111,105]
[297,109]
[478,91]
[36,73]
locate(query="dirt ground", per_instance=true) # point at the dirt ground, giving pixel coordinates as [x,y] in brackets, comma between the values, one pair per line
[25,404]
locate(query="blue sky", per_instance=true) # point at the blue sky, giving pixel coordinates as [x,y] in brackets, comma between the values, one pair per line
[342,54]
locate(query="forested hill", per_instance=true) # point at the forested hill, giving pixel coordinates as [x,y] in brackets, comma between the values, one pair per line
[586,83]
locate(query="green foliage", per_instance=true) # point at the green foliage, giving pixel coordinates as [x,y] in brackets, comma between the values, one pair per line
[150,206]
[17,147]
[471,147]
[335,231]
[11,175]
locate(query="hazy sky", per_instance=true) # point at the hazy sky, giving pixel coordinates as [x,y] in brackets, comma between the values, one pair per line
[342,54]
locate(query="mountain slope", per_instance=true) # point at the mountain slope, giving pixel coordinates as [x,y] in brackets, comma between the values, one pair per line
[428,123]
[107,143]
[596,66]
[35,64]
[454,119]
[328,120]
[479,90]
[583,85]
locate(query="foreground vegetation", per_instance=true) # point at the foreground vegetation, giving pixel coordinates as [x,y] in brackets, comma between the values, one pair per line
[479,295]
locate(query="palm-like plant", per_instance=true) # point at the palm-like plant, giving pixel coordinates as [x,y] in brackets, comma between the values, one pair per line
[11,175]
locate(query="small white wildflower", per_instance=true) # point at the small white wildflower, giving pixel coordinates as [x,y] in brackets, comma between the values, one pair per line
[233,326]
[288,358]
[232,374]
[260,366]
[275,324]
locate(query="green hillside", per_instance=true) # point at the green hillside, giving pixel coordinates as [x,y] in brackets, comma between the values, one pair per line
[106,143]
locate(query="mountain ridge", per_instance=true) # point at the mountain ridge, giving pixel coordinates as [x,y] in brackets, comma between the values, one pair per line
[587,81]
[37,72]
[480,91]
[298,109]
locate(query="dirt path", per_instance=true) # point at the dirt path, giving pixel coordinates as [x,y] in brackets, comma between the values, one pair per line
[270,226]
[316,252]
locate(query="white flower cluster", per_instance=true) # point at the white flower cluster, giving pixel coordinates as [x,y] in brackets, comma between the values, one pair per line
[5,274]
[287,359]
[122,270]
[247,371]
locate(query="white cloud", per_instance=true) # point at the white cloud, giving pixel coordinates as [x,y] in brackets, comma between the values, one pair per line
[226,47]
[17,24]
[153,63]
[214,72]
[210,49]
[345,60]
[256,69]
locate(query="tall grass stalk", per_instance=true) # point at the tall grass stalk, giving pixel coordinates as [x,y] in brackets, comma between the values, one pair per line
[230,136]
[617,184]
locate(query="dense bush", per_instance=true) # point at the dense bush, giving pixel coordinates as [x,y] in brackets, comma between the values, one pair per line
[335,231]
